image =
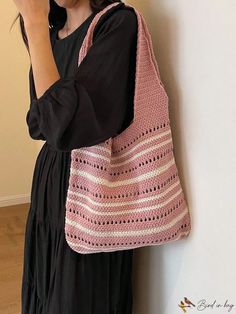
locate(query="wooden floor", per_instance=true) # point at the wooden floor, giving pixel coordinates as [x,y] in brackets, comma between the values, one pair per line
[12,229]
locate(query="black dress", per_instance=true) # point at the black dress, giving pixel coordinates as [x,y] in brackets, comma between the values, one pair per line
[85,106]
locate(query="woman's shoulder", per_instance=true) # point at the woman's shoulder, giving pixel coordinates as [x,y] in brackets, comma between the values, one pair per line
[122,16]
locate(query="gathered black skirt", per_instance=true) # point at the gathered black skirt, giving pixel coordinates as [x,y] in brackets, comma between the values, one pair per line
[56,279]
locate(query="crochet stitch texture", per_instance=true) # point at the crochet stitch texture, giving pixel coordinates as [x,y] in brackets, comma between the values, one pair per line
[125,192]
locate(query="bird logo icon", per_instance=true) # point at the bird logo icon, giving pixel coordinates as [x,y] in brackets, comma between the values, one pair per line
[186,303]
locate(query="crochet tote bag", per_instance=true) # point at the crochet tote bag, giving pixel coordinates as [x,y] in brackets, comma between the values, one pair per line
[125,192]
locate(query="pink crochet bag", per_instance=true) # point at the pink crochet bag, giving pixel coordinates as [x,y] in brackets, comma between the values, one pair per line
[125,192]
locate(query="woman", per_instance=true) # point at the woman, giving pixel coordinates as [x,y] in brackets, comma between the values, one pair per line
[72,107]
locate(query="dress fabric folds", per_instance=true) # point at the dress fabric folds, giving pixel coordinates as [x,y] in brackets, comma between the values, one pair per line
[73,113]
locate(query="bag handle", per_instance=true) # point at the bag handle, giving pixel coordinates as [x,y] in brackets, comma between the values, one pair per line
[149,38]
[144,51]
[88,40]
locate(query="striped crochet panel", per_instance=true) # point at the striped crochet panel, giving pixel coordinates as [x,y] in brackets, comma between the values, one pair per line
[125,192]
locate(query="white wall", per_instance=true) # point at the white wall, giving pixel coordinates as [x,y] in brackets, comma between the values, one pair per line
[195,45]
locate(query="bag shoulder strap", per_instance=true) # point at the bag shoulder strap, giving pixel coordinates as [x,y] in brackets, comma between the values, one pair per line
[147,72]
[88,40]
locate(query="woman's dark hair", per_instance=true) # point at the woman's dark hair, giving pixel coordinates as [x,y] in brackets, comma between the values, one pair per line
[57,15]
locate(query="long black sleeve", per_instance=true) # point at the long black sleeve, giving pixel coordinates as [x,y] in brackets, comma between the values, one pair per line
[91,106]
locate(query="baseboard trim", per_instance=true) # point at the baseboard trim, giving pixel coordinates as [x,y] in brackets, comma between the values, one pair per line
[14,200]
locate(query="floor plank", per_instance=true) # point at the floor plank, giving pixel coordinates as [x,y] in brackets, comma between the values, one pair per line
[12,232]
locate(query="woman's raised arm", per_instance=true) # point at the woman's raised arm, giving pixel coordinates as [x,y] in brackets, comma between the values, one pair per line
[91,106]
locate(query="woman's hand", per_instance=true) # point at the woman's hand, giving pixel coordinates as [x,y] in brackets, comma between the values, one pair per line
[33,11]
